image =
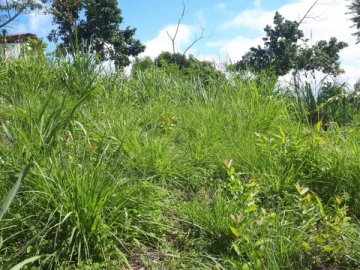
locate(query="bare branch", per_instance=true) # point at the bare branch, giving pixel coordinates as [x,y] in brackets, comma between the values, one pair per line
[11,9]
[308,11]
[173,38]
[196,40]
[13,17]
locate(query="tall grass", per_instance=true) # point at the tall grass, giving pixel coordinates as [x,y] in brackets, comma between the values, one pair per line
[129,172]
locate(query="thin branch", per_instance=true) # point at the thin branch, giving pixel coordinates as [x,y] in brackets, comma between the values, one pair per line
[197,39]
[12,9]
[20,11]
[8,8]
[308,11]
[173,38]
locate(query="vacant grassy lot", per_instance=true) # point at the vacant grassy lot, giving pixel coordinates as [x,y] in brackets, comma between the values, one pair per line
[155,172]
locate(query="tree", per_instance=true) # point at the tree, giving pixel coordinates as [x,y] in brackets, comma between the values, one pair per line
[357,86]
[285,49]
[354,97]
[355,11]
[141,65]
[98,31]
[12,9]
[66,14]
[177,64]
[280,48]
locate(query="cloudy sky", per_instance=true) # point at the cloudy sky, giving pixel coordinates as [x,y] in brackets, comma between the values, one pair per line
[232,26]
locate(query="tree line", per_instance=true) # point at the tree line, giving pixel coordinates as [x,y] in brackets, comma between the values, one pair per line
[94,26]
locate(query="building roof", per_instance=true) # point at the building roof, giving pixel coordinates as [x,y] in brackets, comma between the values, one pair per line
[20,38]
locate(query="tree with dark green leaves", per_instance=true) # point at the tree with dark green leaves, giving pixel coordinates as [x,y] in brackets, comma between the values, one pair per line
[357,86]
[355,12]
[12,9]
[66,15]
[141,65]
[285,50]
[97,31]
[178,64]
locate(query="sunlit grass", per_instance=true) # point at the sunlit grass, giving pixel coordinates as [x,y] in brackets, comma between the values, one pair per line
[129,173]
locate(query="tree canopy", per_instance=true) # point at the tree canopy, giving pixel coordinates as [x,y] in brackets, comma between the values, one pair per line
[12,9]
[179,64]
[357,86]
[355,12]
[285,49]
[97,31]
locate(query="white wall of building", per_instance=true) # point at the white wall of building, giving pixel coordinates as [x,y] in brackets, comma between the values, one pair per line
[10,50]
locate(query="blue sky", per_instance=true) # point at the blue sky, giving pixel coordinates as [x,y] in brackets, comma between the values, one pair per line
[233,26]
[150,16]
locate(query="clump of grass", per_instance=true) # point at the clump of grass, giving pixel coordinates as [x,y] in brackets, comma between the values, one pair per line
[128,173]
[250,229]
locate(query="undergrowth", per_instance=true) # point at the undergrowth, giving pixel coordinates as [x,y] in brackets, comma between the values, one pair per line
[157,172]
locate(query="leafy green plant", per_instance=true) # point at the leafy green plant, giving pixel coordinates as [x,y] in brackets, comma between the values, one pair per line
[312,230]
[127,172]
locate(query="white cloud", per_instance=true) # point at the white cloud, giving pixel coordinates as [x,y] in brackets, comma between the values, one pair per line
[351,75]
[255,19]
[163,43]
[40,23]
[327,19]
[215,59]
[37,23]
[234,49]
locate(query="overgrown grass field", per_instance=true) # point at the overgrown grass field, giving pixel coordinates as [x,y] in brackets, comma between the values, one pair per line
[159,172]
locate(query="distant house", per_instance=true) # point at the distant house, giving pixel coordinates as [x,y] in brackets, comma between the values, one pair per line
[12,46]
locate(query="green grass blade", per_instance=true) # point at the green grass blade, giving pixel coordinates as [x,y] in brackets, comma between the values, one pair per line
[11,195]
[25,262]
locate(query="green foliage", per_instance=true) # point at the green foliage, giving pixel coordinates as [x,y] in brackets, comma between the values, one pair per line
[209,219]
[10,10]
[83,194]
[98,32]
[128,171]
[323,56]
[182,66]
[283,53]
[332,104]
[355,12]
[36,47]
[357,86]
[289,230]
[66,16]
[141,65]
[12,193]
[310,157]
[280,48]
